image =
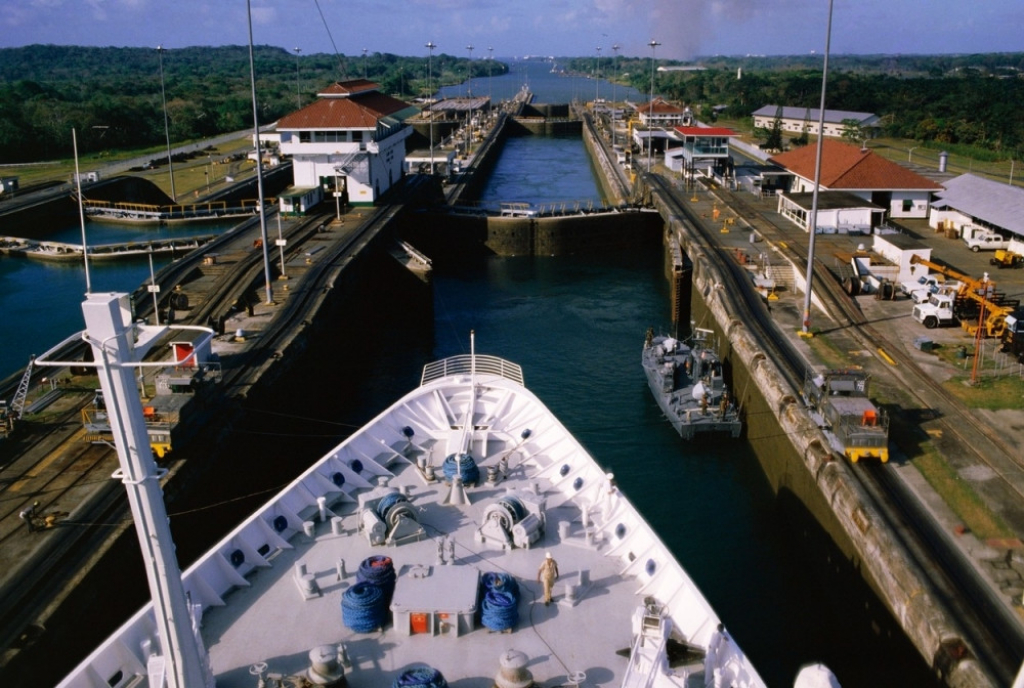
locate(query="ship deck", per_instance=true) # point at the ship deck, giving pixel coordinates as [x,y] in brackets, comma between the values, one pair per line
[281,627]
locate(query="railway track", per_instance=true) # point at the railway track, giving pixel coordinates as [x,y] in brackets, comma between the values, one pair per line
[989,630]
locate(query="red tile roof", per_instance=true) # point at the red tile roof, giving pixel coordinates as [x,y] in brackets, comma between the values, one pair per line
[361,110]
[352,86]
[705,131]
[848,167]
[660,106]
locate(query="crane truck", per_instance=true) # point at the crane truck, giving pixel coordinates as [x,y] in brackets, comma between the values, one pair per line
[976,303]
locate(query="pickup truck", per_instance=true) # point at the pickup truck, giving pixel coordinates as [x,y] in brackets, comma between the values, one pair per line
[925,283]
[987,242]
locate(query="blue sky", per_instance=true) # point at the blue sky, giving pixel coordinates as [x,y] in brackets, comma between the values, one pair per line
[685,28]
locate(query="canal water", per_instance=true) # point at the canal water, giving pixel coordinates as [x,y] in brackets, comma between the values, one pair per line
[41,301]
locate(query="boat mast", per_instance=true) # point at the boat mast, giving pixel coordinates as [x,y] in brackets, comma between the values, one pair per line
[181,663]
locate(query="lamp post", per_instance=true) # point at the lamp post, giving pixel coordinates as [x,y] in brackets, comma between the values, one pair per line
[910,153]
[490,66]
[806,329]
[298,84]
[167,129]
[650,114]
[469,108]
[597,77]
[81,212]
[259,165]
[430,98]
[615,68]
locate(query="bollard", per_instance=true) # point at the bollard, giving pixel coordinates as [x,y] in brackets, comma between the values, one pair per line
[340,568]
[563,530]
[309,528]
[336,526]
[321,503]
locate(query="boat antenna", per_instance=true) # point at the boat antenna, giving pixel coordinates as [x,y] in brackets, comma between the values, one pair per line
[806,331]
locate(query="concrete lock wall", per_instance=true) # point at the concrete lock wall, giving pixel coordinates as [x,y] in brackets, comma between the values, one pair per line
[796,460]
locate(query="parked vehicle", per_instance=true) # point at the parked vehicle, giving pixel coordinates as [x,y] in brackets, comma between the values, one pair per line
[987,242]
[1004,258]
[937,310]
[1013,335]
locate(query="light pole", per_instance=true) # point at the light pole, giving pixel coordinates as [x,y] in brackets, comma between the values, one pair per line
[81,212]
[298,84]
[469,108]
[806,329]
[430,98]
[597,78]
[615,68]
[365,72]
[910,153]
[490,66]
[167,129]
[650,114]
[259,165]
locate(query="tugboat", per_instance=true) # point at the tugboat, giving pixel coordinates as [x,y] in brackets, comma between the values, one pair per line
[687,383]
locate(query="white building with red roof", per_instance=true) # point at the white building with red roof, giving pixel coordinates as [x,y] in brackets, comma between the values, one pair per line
[857,172]
[349,141]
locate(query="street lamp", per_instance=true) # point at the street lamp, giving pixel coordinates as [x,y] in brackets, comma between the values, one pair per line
[650,114]
[615,68]
[81,212]
[167,129]
[490,65]
[298,84]
[469,72]
[430,99]
[597,78]
[910,153]
[811,230]
[259,164]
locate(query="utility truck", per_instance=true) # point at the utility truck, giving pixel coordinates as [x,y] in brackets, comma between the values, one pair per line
[937,310]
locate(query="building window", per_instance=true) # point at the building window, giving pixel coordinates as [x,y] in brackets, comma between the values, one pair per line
[305,137]
[908,205]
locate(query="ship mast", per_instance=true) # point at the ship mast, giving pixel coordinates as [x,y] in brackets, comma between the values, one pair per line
[182,661]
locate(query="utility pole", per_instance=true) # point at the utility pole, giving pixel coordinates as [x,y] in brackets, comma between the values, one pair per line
[167,129]
[298,84]
[430,99]
[650,114]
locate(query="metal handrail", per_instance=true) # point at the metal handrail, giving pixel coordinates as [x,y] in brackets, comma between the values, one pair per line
[466,364]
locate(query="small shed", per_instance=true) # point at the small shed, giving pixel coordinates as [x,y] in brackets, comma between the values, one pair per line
[899,249]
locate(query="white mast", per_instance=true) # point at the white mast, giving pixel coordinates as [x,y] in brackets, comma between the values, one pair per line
[181,662]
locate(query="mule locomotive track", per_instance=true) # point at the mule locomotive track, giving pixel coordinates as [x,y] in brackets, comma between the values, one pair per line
[988,629]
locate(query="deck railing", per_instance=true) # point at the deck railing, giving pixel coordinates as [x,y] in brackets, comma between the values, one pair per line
[464,365]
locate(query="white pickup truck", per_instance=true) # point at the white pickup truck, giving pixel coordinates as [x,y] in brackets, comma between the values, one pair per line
[986,242]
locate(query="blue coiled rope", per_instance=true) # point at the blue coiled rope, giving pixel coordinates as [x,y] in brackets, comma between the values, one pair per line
[363,608]
[500,582]
[500,610]
[464,465]
[380,572]
[421,677]
[388,501]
